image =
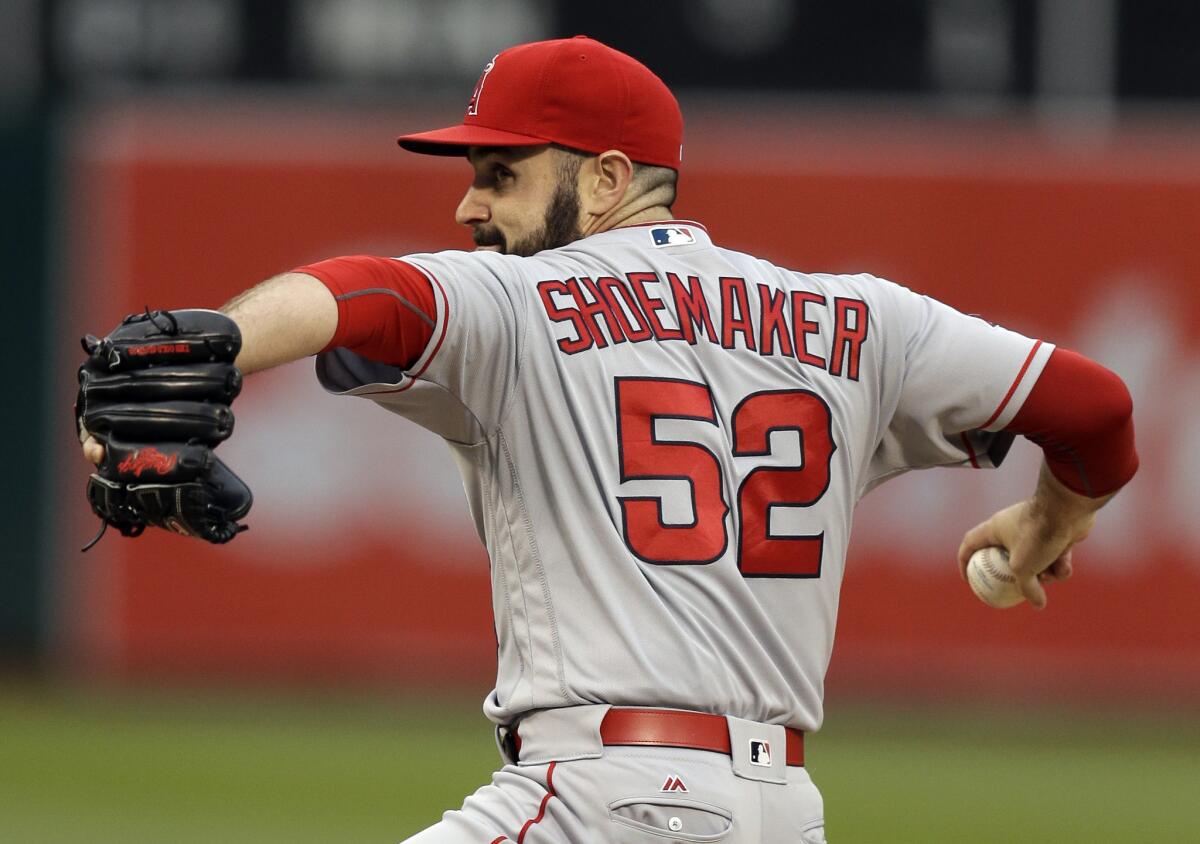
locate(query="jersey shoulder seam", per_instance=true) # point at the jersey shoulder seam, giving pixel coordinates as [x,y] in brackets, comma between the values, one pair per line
[519,340]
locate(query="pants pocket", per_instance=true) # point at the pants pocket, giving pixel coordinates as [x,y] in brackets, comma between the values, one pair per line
[672,819]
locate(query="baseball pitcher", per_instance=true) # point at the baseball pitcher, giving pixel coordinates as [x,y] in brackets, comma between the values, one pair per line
[662,442]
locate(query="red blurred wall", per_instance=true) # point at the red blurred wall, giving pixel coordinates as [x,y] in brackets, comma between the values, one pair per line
[1088,242]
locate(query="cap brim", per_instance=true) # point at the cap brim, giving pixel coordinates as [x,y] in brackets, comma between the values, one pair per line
[454,140]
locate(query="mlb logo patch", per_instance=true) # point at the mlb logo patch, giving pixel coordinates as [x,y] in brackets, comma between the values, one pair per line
[760,753]
[671,236]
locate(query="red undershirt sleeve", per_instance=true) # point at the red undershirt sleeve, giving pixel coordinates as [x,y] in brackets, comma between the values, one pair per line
[1081,415]
[386,309]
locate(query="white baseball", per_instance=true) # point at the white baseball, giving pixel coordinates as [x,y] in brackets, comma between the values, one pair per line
[992,580]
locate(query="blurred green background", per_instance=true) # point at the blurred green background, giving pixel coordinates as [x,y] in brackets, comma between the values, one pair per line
[191,766]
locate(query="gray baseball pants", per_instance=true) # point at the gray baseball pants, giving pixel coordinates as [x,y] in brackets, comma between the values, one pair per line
[570,789]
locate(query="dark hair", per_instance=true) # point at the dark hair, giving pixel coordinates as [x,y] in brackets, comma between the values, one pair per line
[646,177]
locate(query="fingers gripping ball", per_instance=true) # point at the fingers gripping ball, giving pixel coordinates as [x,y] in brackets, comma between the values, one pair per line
[992,581]
[156,392]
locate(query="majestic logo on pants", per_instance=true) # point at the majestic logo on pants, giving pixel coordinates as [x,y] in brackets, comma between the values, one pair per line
[760,753]
[674,784]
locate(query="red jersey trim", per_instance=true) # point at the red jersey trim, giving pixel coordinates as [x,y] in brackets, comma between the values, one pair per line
[429,355]
[966,441]
[1012,388]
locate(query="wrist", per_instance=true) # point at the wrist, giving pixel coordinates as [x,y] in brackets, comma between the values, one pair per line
[1056,501]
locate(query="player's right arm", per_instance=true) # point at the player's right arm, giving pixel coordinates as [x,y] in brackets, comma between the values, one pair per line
[1081,415]
[961,389]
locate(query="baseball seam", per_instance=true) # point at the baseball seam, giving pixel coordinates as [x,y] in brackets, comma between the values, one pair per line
[990,564]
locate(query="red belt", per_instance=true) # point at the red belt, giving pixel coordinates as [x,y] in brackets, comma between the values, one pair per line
[675,728]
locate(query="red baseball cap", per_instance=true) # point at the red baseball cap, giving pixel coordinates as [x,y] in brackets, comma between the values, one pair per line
[575,92]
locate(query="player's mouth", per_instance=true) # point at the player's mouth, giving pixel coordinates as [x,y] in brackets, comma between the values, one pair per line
[488,240]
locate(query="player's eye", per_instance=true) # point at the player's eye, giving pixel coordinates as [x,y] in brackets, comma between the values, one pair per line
[502,176]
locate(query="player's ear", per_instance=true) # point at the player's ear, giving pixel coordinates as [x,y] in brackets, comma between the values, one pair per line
[606,179]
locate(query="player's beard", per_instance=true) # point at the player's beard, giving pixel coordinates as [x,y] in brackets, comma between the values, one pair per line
[559,227]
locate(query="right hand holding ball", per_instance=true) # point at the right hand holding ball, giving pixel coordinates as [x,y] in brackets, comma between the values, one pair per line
[992,580]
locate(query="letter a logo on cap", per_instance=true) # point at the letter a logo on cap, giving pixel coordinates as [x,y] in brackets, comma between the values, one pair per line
[473,106]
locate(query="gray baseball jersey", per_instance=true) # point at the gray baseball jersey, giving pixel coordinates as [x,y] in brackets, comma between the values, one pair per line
[662,443]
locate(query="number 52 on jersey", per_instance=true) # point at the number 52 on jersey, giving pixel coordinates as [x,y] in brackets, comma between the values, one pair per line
[640,402]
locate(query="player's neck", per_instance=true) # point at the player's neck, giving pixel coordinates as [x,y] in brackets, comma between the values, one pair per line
[628,216]
[650,215]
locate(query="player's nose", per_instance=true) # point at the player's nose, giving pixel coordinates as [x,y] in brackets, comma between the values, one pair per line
[471,210]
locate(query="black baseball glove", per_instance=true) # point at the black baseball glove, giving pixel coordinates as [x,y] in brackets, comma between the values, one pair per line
[156,393]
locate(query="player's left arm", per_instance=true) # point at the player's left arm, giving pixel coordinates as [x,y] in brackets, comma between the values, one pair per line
[1081,415]
[282,319]
[378,307]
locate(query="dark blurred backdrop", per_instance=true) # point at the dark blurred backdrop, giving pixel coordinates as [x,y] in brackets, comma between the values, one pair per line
[1017,51]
